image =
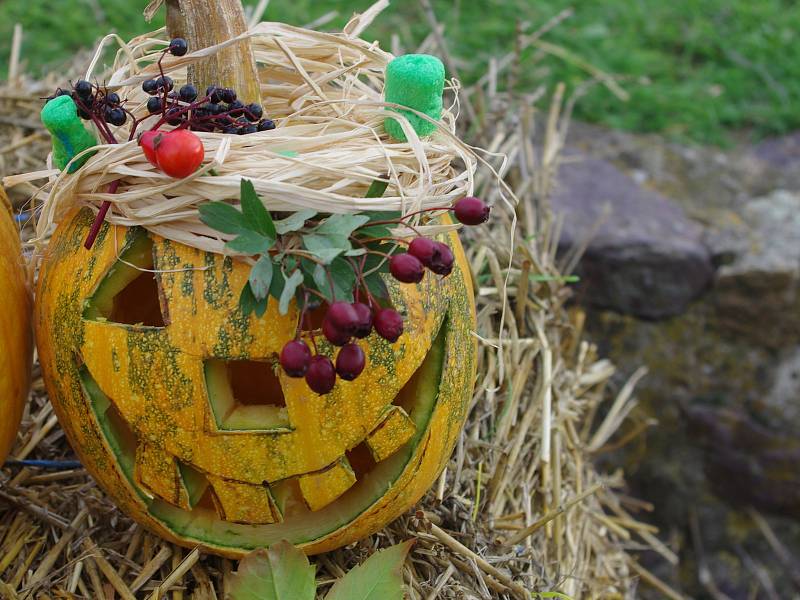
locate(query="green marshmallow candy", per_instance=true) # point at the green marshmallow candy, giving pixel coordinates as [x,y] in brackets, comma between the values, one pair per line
[415,81]
[70,137]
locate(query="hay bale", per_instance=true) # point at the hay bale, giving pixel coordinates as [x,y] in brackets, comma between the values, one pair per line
[521,507]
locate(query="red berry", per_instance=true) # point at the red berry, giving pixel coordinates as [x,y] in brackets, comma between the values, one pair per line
[424,249]
[407,268]
[321,376]
[333,334]
[343,316]
[389,324]
[147,141]
[472,211]
[295,358]
[443,263]
[179,153]
[350,362]
[364,325]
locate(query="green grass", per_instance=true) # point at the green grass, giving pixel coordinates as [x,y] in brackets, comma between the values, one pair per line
[695,69]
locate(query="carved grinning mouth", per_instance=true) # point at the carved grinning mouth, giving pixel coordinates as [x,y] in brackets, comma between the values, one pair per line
[198,510]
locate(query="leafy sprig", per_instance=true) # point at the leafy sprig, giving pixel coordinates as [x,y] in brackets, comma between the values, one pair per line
[306,256]
[283,573]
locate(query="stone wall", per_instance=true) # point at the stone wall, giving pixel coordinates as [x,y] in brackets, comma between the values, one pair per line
[693,268]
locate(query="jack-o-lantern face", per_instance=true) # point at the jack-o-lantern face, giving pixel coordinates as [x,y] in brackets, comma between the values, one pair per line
[15,330]
[175,402]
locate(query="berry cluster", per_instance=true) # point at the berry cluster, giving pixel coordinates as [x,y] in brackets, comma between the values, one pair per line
[95,103]
[344,321]
[218,110]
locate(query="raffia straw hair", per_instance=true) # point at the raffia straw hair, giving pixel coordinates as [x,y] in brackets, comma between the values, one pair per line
[325,93]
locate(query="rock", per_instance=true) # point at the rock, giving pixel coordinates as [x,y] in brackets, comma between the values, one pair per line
[708,183]
[644,256]
[746,463]
[784,393]
[781,152]
[724,374]
[758,293]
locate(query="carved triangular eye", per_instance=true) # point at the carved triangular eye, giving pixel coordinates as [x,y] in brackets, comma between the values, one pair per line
[129,293]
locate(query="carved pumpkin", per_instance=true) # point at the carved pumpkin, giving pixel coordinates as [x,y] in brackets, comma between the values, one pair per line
[175,404]
[15,330]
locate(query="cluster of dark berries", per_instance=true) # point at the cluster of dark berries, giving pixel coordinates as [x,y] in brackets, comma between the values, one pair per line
[219,110]
[342,323]
[95,103]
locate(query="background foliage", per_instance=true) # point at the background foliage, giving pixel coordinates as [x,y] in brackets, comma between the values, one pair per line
[695,69]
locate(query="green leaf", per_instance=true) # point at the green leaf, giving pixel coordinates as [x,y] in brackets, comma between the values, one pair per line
[295,222]
[222,217]
[380,577]
[323,285]
[288,291]
[261,307]
[326,247]
[250,242]
[341,225]
[280,573]
[374,231]
[247,301]
[255,215]
[344,281]
[261,277]
[377,286]
[357,252]
[277,285]
[377,189]
[382,215]
[376,261]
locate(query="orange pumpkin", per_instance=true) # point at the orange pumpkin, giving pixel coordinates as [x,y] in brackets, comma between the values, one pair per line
[174,402]
[15,330]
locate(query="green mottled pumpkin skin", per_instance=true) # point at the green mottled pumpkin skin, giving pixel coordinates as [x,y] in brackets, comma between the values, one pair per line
[260,485]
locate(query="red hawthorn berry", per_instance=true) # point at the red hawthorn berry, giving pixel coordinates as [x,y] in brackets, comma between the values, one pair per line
[472,211]
[343,316]
[321,375]
[295,358]
[351,362]
[333,334]
[389,324]
[406,268]
[424,249]
[364,325]
[443,263]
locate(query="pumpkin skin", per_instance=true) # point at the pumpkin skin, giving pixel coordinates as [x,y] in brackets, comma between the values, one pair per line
[16,337]
[151,400]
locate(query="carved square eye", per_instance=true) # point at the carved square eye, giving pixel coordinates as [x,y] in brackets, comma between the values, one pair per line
[245,395]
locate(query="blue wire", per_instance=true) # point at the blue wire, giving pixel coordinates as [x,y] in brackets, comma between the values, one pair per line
[53,465]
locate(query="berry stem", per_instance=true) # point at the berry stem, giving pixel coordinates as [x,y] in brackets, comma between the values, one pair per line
[359,271]
[303,312]
[112,188]
[101,216]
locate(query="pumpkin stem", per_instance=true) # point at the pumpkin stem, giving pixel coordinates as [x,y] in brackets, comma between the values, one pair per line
[202,24]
